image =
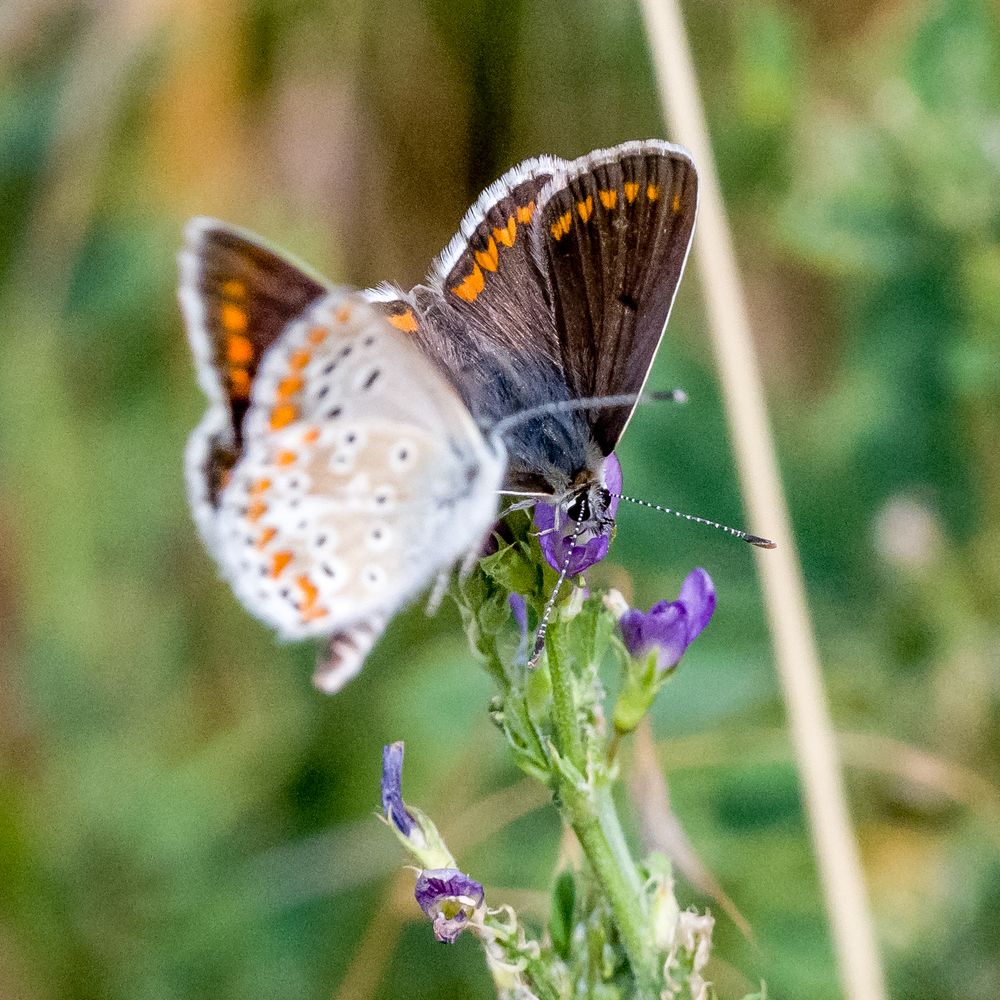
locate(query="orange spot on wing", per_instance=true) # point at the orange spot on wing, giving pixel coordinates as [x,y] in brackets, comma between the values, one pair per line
[239,383]
[234,289]
[317,335]
[265,537]
[405,321]
[343,314]
[507,234]
[256,511]
[585,208]
[652,192]
[233,318]
[261,486]
[288,387]
[286,458]
[525,212]
[488,258]
[471,286]
[311,436]
[279,561]
[310,595]
[675,205]
[561,226]
[282,416]
[299,360]
[608,199]
[631,190]
[239,350]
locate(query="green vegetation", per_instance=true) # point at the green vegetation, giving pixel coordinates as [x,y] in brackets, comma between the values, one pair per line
[181,815]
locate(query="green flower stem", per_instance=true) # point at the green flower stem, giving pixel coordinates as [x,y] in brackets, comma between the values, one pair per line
[596,824]
[565,717]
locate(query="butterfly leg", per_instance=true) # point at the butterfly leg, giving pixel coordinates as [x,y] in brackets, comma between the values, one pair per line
[437,593]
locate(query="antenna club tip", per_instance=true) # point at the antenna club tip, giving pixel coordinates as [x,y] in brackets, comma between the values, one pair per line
[669,396]
[761,543]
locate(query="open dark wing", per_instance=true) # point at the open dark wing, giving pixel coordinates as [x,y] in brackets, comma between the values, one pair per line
[484,317]
[237,296]
[612,235]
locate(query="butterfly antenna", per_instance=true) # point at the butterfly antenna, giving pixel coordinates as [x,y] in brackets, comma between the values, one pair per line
[550,604]
[761,543]
[501,427]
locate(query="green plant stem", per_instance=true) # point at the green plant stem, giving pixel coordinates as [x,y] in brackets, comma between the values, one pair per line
[595,821]
[564,712]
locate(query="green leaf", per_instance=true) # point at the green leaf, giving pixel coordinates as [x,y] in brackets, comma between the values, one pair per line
[561,914]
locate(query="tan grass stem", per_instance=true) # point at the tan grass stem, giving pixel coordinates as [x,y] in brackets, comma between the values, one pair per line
[784,593]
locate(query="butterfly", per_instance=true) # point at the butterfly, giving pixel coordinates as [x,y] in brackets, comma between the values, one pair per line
[336,471]
[557,287]
[555,291]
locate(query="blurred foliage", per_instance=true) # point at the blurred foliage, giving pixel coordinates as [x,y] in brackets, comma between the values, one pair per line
[181,815]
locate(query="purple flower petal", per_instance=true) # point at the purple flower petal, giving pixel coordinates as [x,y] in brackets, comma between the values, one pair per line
[392,789]
[450,898]
[519,609]
[669,627]
[698,597]
[592,542]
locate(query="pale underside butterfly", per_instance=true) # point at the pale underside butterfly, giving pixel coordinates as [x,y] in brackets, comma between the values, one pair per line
[336,472]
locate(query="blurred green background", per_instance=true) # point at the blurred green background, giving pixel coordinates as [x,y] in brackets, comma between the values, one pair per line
[180,814]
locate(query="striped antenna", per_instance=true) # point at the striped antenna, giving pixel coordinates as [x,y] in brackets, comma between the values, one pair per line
[761,543]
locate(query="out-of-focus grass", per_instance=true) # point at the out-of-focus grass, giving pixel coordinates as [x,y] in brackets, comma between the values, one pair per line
[181,815]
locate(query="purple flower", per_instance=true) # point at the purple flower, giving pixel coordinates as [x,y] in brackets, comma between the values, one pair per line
[450,898]
[392,789]
[519,609]
[669,627]
[556,527]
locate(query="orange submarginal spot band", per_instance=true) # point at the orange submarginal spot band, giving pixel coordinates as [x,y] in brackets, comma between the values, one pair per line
[405,321]
[585,208]
[311,436]
[260,486]
[631,190]
[310,595]
[343,314]
[675,205]
[233,318]
[239,350]
[608,199]
[289,386]
[561,226]
[265,537]
[652,192]
[279,561]
[488,258]
[239,383]
[471,286]
[282,416]
[256,511]
[525,212]
[299,360]
[508,233]
[317,335]
[286,458]
[233,289]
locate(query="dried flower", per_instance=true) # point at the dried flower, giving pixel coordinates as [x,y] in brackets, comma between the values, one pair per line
[450,898]
[669,627]
[556,527]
